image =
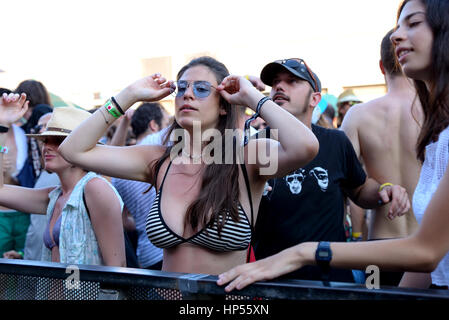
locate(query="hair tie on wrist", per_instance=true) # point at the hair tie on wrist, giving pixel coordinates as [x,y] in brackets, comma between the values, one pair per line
[260,104]
[117,105]
[3,129]
[254,116]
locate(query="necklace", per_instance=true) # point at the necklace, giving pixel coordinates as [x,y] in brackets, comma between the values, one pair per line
[184,152]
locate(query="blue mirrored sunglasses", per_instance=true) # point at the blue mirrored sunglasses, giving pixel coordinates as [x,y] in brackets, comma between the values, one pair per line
[201,89]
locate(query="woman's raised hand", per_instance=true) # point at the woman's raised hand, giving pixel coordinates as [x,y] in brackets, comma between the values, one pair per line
[12,107]
[239,91]
[151,88]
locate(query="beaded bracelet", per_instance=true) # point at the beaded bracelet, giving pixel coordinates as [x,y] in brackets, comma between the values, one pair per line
[3,149]
[112,109]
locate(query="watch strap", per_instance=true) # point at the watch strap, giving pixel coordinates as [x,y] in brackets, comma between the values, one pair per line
[323,257]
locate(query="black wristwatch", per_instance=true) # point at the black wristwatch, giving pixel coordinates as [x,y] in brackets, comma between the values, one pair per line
[3,129]
[323,257]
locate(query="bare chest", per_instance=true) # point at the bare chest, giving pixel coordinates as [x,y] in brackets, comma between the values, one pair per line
[57,212]
[179,190]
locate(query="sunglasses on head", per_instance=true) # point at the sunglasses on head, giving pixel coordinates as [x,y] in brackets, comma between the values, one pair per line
[295,63]
[201,89]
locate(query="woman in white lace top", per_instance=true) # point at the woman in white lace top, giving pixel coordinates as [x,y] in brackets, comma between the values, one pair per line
[421,40]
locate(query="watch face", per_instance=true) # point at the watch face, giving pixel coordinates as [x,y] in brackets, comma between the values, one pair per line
[323,254]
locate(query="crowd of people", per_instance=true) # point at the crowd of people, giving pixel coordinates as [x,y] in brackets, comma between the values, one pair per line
[240,184]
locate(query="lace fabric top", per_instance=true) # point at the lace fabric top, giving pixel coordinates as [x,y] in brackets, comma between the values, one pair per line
[434,166]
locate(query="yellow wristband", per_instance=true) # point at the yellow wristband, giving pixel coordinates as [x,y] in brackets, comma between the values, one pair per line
[385,185]
[356,234]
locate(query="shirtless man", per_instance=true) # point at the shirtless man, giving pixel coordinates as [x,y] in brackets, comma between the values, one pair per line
[384,132]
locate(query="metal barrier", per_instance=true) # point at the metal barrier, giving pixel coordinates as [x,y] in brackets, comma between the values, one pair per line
[36,280]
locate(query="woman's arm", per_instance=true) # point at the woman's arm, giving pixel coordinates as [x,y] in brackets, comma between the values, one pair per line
[132,163]
[420,252]
[296,145]
[106,218]
[121,133]
[400,255]
[24,199]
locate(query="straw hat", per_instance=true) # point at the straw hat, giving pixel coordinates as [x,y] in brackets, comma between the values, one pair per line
[347,95]
[63,120]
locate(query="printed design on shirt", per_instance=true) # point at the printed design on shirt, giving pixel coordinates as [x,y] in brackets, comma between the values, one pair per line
[295,180]
[321,177]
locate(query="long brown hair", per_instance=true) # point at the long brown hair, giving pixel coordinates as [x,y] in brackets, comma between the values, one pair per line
[36,92]
[435,99]
[219,193]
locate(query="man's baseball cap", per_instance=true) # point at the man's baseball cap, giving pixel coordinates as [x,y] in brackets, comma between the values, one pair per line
[295,66]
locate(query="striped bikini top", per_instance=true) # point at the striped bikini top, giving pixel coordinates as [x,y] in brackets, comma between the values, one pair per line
[234,235]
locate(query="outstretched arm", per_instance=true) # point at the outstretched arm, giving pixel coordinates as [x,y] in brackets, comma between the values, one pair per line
[12,108]
[133,162]
[420,252]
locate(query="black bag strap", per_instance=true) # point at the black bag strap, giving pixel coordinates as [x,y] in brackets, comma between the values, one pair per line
[85,205]
[245,175]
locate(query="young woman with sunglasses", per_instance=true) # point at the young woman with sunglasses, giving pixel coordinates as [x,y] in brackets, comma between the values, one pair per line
[421,39]
[203,212]
[84,212]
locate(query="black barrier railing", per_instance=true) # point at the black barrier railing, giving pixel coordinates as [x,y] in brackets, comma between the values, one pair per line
[33,280]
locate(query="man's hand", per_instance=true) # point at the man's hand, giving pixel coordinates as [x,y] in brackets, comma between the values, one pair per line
[397,195]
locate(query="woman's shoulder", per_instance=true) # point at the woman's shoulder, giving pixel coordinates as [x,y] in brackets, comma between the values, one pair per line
[97,187]
[94,181]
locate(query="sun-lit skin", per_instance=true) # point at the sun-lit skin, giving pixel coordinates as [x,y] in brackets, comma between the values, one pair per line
[413,40]
[52,159]
[424,249]
[189,108]
[290,92]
